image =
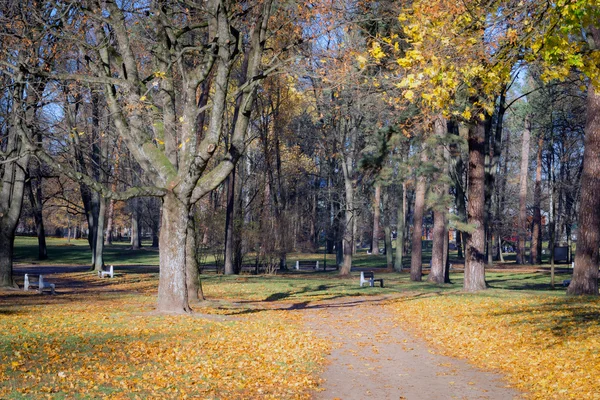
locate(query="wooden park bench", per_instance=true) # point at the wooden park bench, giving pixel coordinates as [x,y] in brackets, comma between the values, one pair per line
[106,272]
[253,269]
[307,265]
[369,277]
[40,284]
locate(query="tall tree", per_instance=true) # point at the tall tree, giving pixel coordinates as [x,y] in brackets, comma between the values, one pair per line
[152,96]
[416,252]
[523,175]
[440,209]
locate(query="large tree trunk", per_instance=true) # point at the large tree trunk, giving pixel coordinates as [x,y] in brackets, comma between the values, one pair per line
[172,285]
[536,239]
[11,201]
[348,238]
[475,243]
[523,192]
[135,225]
[99,247]
[585,273]
[400,230]
[440,222]
[376,218]
[416,260]
[438,266]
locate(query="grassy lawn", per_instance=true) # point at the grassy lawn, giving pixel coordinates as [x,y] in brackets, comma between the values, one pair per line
[101,338]
[77,252]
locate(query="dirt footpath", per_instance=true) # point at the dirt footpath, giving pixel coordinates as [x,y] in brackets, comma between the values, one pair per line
[373,358]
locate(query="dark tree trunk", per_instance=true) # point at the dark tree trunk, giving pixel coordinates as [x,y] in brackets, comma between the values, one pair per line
[12,192]
[229,225]
[475,243]
[460,203]
[99,247]
[376,218]
[536,239]
[438,267]
[585,273]
[496,153]
[36,201]
[136,241]
[194,286]
[552,213]
[416,260]
[348,238]
[400,229]
[523,193]
[389,255]
[459,245]
[7,241]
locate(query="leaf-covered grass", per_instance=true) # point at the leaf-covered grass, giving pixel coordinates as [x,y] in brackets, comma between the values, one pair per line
[101,338]
[546,343]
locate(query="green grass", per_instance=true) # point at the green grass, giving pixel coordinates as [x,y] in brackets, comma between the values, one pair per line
[77,252]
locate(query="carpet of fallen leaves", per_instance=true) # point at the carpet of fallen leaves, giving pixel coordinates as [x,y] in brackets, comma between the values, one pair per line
[107,343]
[547,346]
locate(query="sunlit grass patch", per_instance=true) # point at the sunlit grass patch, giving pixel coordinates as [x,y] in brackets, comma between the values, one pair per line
[547,345]
[93,345]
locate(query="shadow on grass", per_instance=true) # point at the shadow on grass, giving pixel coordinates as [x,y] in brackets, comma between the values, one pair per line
[526,282]
[562,318]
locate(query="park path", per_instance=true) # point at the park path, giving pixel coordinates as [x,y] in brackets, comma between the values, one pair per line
[374,358]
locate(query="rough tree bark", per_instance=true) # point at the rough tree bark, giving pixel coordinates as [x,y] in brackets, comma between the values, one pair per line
[585,273]
[229,268]
[475,242]
[437,273]
[11,201]
[347,236]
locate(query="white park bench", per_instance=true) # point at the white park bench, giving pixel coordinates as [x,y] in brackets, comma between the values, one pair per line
[106,272]
[369,277]
[314,265]
[40,284]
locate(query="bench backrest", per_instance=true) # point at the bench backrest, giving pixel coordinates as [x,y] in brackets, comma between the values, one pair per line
[306,263]
[368,275]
